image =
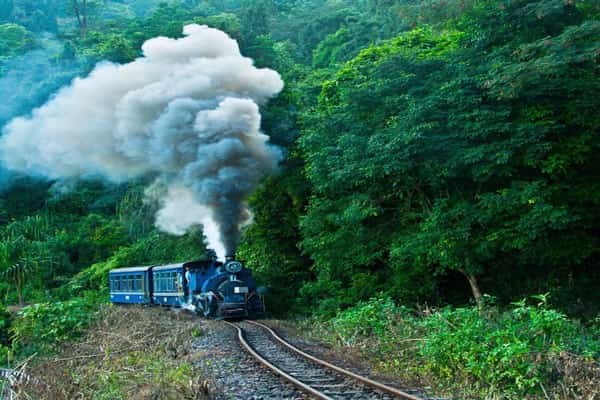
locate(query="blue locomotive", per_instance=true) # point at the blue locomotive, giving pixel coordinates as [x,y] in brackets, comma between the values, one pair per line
[210,288]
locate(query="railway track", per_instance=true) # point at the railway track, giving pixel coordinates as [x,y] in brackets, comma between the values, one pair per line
[318,378]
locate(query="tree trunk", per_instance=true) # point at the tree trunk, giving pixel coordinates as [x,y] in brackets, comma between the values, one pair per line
[81,14]
[474,287]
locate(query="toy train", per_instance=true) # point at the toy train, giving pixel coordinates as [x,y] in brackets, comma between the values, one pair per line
[210,288]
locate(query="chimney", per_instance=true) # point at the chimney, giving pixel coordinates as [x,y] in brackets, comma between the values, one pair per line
[230,257]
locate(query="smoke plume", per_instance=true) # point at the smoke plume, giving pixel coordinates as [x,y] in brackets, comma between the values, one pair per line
[186,112]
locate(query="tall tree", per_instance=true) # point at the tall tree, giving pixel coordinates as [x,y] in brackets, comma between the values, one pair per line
[80,9]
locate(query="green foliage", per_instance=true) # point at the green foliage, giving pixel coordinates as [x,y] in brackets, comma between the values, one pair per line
[14,39]
[509,352]
[44,326]
[5,322]
[24,251]
[269,243]
[444,151]
[154,249]
[372,317]
[470,352]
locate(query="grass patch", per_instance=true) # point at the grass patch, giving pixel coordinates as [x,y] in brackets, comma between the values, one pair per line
[131,353]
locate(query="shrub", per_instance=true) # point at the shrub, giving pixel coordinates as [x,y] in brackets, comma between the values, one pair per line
[517,353]
[41,327]
[509,351]
[373,317]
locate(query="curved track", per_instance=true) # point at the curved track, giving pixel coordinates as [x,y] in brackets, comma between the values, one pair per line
[318,378]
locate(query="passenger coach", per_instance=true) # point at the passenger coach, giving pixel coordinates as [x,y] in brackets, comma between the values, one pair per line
[130,285]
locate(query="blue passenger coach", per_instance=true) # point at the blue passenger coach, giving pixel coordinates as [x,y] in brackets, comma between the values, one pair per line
[168,286]
[130,285]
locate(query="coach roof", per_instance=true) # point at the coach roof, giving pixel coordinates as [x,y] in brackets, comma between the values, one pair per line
[131,269]
[167,267]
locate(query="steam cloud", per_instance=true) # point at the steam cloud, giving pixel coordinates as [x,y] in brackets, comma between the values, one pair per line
[186,112]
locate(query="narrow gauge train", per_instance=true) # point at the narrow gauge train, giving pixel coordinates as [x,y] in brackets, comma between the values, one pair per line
[210,288]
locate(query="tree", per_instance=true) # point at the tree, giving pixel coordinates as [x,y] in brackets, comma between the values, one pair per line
[14,39]
[83,10]
[23,252]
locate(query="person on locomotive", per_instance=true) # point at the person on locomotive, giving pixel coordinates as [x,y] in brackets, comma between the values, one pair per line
[187,276]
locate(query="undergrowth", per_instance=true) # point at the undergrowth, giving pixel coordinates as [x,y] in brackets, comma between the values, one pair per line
[128,353]
[528,351]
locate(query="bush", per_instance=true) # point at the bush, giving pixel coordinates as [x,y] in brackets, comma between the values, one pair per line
[474,352]
[373,317]
[41,327]
[511,352]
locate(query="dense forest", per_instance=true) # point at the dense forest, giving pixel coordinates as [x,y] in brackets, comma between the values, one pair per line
[438,154]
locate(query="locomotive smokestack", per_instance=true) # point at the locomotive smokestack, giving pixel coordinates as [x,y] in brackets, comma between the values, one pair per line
[229,257]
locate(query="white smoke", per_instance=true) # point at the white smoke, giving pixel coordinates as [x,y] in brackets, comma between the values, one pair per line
[186,112]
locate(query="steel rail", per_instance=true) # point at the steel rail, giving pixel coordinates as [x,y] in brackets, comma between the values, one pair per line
[365,380]
[306,388]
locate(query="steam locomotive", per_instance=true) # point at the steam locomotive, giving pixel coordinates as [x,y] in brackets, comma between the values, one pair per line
[210,288]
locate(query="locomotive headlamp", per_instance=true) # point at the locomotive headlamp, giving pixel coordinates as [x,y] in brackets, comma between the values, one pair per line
[233,267]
